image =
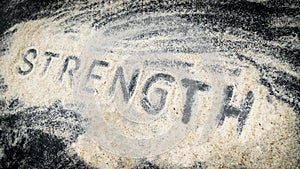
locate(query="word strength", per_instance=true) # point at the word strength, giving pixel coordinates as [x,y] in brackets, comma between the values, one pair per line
[128,85]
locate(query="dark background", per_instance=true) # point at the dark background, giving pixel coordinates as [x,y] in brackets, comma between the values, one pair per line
[31,148]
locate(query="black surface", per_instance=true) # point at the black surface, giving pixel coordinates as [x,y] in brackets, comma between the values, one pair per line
[26,147]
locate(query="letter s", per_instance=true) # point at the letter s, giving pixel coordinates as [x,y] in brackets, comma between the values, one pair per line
[25,72]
